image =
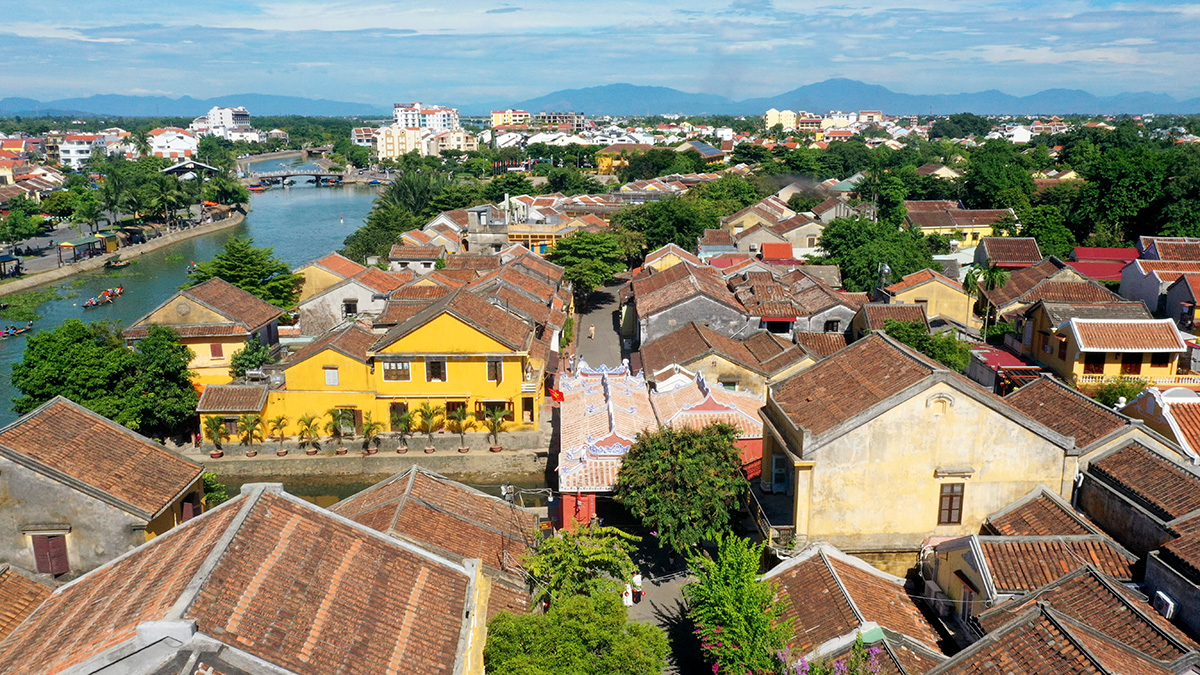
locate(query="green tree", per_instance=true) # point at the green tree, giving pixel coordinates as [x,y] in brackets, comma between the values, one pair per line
[253,354]
[589,259]
[429,415]
[860,247]
[981,279]
[511,184]
[380,231]
[1045,224]
[458,419]
[586,560]
[250,429]
[1110,393]
[738,617]
[161,394]
[215,492]
[253,269]
[215,431]
[571,182]
[225,190]
[946,349]
[961,125]
[580,635]
[749,153]
[727,195]
[683,483]
[414,191]
[671,220]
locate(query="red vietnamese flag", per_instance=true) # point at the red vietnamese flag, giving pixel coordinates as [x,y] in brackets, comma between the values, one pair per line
[554,394]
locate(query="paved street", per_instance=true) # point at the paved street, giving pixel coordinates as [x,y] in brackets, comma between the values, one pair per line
[601,311]
[663,605]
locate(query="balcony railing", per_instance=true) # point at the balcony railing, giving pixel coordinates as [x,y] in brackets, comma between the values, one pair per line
[1150,380]
[776,536]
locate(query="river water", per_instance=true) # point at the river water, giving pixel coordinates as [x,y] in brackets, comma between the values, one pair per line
[301,223]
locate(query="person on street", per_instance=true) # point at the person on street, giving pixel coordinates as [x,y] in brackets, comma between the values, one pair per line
[637,586]
[592,332]
[627,596]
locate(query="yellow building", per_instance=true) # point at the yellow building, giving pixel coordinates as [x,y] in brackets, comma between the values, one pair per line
[877,448]
[668,256]
[394,140]
[610,160]
[214,320]
[946,218]
[1091,351]
[785,118]
[325,272]
[940,295]
[510,117]
[459,351]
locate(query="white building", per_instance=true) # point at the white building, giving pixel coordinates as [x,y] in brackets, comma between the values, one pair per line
[228,117]
[76,149]
[229,123]
[421,116]
[173,143]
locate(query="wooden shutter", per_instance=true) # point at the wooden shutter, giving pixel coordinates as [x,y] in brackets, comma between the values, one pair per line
[50,554]
[188,511]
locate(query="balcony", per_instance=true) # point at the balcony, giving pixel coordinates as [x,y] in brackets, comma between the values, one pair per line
[766,508]
[1191,381]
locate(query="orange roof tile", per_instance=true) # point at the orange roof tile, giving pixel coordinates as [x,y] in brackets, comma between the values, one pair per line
[1130,335]
[19,597]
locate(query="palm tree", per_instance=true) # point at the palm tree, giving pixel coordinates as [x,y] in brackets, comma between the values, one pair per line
[215,431]
[89,211]
[429,414]
[141,143]
[249,428]
[334,427]
[494,420]
[402,423]
[309,430]
[112,194]
[278,424]
[459,417]
[370,432]
[979,280]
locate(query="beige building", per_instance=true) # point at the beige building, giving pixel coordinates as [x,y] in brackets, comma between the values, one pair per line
[785,118]
[394,141]
[510,117]
[938,294]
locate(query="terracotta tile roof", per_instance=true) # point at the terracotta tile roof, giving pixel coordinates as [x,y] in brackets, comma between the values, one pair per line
[19,596]
[64,436]
[234,303]
[877,314]
[1048,281]
[1021,564]
[760,353]
[1178,250]
[421,292]
[849,382]
[397,312]
[451,519]
[717,238]
[1101,253]
[402,252]
[210,330]
[694,281]
[917,206]
[1130,335]
[103,608]
[1165,488]
[1045,642]
[1066,411]
[1005,250]
[339,265]
[602,413]
[698,404]
[353,341]
[668,249]
[472,262]
[1167,270]
[378,280]
[1061,312]
[1070,291]
[472,310]
[1105,605]
[830,595]
[1021,281]
[232,398]
[917,278]
[1040,513]
[898,655]
[822,344]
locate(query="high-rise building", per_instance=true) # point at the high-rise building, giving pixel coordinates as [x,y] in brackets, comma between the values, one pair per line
[420,116]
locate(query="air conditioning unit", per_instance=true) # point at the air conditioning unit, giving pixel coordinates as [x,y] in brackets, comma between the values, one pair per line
[1164,604]
[938,600]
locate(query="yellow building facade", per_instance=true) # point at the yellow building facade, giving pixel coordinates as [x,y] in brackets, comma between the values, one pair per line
[940,295]
[1090,352]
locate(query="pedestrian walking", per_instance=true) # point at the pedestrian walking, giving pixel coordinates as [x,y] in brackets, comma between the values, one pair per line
[592,332]
[627,596]
[637,587]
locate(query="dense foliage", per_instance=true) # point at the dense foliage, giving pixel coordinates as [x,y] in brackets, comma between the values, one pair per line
[944,348]
[579,635]
[253,269]
[737,615]
[253,354]
[860,247]
[684,484]
[585,560]
[589,259]
[147,388]
[1111,393]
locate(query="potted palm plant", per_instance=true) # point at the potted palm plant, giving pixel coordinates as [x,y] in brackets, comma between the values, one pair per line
[278,424]
[402,424]
[310,433]
[494,421]
[215,431]
[370,434]
[249,430]
[333,427]
[458,417]
[429,414]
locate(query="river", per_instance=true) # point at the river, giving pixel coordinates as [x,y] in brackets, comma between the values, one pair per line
[301,223]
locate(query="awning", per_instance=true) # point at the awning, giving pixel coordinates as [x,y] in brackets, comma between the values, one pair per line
[966,581]
[81,242]
[779,318]
[6,258]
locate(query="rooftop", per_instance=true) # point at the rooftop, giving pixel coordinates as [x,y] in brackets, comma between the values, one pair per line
[1066,410]
[1167,489]
[1037,514]
[1008,250]
[1022,564]
[1126,335]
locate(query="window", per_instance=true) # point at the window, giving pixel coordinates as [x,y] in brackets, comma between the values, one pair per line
[1093,364]
[753,247]
[190,507]
[1131,363]
[50,553]
[924,302]
[483,407]
[395,410]
[216,351]
[495,370]
[950,507]
[1160,359]
[527,409]
[350,307]
[435,371]
[331,377]
[427,265]
[451,406]
[1062,350]
[399,371]
[834,326]
[812,242]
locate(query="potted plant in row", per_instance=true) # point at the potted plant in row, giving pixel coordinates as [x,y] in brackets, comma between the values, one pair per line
[215,431]
[459,417]
[429,414]
[402,424]
[334,427]
[494,421]
[370,433]
[278,424]
[249,430]
[309,428]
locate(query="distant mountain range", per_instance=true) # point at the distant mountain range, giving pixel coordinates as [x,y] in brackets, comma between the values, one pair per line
[116,105]
[843,94]
[629,99]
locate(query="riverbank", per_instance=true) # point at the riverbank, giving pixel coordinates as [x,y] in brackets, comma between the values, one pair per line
[58,274]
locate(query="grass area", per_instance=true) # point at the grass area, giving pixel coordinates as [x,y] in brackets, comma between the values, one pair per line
[22,307]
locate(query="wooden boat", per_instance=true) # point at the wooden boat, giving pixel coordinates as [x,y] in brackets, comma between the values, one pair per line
[7,333]
[105,298]
[257,188]
[116,264]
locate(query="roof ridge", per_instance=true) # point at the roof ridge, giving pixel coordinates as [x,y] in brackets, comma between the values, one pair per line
[205,570]
[837,578]
[403,500]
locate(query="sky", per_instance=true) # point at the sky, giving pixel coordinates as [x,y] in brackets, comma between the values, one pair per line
[477,52]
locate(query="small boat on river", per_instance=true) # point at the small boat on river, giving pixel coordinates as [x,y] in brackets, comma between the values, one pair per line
[115,263]
[105,298]
[13,331]
[257,187]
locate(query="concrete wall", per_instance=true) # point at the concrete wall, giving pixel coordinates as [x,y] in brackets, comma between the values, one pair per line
[477,461]
[1174,309]
[42,278]
[716,316]
[99,531]
[324,311]
[1132,526]
[1162,577]
[1147,288]
[816,323]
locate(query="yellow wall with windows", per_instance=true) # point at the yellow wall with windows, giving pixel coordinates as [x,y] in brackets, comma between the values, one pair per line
[211,369]
[1044,347]
[316,279]
[967,235]
[940,300]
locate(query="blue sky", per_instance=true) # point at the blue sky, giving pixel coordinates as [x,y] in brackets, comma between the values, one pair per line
[463,52]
